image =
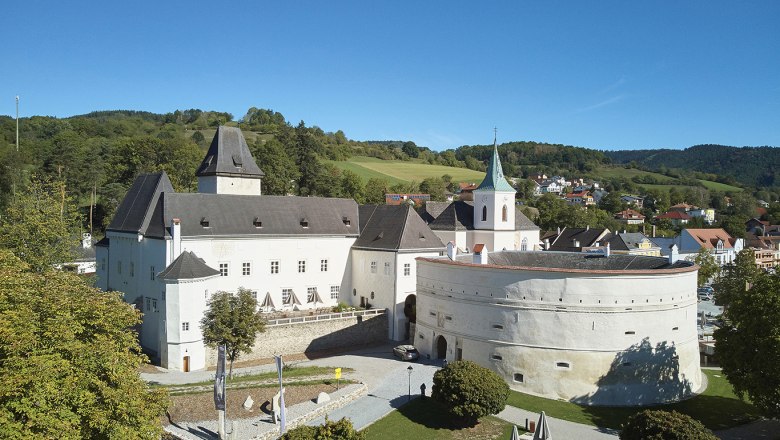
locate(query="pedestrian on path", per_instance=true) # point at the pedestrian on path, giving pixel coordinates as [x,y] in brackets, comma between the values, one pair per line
[422,390]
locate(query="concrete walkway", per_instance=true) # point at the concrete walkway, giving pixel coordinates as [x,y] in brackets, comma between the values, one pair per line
[384,387]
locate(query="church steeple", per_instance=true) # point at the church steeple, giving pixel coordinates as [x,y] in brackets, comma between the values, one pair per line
[494,179]
[494,198]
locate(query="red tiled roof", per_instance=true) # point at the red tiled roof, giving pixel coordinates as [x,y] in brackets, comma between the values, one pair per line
[629,214]
[708,238]
[675,215]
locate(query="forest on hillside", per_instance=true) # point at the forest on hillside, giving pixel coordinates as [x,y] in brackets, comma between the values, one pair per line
[95,157]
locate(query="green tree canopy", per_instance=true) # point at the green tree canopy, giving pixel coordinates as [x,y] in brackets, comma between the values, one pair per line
[736,277]
[375,190]
[708,267]
[748,345]
[69,360]
[278,166]
[233,321]
[469,390]
[38,225]
[339,430]
[664,425]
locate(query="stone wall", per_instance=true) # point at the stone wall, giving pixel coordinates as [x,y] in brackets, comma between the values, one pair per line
[308,337]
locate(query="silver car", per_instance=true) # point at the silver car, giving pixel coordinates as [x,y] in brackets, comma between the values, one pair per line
[406,352]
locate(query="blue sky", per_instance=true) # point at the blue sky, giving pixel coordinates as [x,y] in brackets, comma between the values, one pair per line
[599,74]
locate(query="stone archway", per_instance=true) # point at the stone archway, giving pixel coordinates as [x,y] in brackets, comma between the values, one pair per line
[441,347]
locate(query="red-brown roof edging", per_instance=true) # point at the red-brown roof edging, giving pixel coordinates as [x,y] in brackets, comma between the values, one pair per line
[441,260]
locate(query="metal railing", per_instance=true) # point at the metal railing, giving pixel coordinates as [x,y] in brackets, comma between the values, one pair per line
[322,317]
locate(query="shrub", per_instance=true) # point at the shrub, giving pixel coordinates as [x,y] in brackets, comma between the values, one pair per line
[664,425]
[470,391]
[340,430]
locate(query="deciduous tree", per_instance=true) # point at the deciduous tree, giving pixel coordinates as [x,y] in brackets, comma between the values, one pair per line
[664,425]
[232,320]
[748,345]
[708,267]
[69,360]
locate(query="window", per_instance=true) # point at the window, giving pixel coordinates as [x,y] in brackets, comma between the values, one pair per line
[119,266]
[498,327]
[518,377]
[334,292]
[562,364]
[504,212]
[102,264]
[407,269]
[246,268]
[496,357]
[154,305]
[286,294]
[372,295]
[323,265]
[387,268]
[274,267]
[254,295]
[132,269]
[311,293]
[223,269]
[301,266]
[185,326]
[524,244]
[373,267]
[304,223]
[151,273]
[484,213]
[630,332]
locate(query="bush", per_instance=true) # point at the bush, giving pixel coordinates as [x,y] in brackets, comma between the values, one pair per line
[470,391]
[341,430]
[664,425]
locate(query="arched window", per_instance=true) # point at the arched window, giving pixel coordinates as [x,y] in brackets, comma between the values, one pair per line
[484,213]
[503,213]
[524,244]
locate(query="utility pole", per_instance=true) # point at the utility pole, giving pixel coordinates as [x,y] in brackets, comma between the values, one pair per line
[17,123]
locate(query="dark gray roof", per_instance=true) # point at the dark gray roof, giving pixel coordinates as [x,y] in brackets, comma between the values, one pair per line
[104,242]
[187,266]
[135,212]
[229,155]
[459,216]
[665,243]
[396,228]
[585,236]
[577,260]
[149,211]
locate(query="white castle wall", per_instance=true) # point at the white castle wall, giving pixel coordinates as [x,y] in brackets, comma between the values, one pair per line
[595,338]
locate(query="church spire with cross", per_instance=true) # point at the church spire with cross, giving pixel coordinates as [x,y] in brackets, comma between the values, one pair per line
[494,179]
[494,198]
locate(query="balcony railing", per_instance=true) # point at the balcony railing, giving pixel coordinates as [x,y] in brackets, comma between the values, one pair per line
[322,317]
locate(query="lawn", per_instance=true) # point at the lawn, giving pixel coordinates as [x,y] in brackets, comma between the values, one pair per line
[717,408]
[628,173]
[396,171]
[428,419]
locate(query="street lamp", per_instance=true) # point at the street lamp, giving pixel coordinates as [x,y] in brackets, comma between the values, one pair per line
[409,396]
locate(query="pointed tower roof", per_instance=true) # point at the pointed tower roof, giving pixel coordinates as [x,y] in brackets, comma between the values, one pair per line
[494,179]
[135,212]
[229,155]
[187,266]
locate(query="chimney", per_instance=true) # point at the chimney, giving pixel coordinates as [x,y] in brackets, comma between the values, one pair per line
[452,251]
[546,244]
[673,254]
[175,238]
[559,230]
[575,243]
[606,250]
[653,231]
[587,227]
[480,254]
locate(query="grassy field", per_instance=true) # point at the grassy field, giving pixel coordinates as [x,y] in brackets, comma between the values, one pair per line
[717,408]
[427,419]
[398,171]
[628,173]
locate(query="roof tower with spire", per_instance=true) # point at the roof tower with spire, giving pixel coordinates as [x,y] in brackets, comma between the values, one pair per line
[494,179]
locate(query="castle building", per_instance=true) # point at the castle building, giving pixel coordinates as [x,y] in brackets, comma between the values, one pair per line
[596,330]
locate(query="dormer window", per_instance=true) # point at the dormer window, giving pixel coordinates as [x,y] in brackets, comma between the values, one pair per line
[346,221]
[204,222]
[237,162]
[304,223]
[257,223]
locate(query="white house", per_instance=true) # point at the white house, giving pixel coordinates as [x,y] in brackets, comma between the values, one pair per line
[168,251]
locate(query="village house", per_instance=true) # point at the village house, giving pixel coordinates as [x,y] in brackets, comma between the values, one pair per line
[630,217]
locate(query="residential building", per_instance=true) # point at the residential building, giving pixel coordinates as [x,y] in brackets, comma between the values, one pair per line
[630,217]
[574,239]
[414,199]
[677,218]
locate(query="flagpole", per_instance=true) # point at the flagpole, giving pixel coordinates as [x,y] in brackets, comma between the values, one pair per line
[17,123]
[282,416]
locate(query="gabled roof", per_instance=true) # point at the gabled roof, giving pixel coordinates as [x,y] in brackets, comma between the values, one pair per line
[625,240]
[394,228]
[709,238]
[459,216]
[187,266]
[629,214]
[137,208]
[494,179]
[586,237]
[229,155]
[675,215]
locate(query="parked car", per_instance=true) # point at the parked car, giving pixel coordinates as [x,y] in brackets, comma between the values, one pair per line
[406,352]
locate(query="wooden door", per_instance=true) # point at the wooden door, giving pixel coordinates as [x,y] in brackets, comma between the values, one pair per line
[186,364]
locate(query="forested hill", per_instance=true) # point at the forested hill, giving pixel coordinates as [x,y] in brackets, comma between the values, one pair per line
[752,166]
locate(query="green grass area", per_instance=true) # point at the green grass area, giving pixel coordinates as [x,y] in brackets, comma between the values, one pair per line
[428,419]
[717,186]
[717,408]
[245,385]
[628,173]
[399,171]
